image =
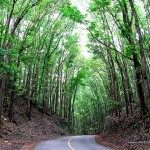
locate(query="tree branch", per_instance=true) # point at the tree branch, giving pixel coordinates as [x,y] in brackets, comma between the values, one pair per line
[108,45]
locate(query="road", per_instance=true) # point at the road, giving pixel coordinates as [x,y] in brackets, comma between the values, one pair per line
[71,143]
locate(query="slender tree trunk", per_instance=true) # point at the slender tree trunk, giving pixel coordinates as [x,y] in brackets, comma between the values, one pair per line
[2,86]
[123,84]
[28,84]
[61,92]
[116,91]
[128,86]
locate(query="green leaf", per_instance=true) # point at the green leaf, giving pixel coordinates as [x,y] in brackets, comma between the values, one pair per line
[72,13]
[3,51]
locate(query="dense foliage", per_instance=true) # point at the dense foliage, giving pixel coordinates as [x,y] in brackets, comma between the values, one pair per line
[41,61]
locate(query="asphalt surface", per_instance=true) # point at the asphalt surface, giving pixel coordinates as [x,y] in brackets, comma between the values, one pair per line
[71,143]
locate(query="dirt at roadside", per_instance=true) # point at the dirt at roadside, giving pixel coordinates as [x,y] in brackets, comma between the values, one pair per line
[24,134]
[126,133]
[111,140]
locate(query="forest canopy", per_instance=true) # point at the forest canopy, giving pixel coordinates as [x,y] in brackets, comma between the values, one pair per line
[41,60]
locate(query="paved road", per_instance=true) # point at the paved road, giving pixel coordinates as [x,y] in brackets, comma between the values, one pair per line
[71,143]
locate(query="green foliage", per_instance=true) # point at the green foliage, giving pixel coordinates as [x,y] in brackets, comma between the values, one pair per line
[5,4]
[72,13]
[26,58]
[3,51]
[20,90]
[78,80]
[4,65]
[93,7]
[97,4]
[92,25]
[103,3]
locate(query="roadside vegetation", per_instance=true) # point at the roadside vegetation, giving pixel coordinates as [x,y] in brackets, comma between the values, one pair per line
[42,68]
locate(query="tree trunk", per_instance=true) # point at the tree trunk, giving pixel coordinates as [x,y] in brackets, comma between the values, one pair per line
[137,65]
[128,86]
[124,86]
[2,86]
[28,87]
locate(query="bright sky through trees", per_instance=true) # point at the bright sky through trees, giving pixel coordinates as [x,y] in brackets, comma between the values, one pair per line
[81,29]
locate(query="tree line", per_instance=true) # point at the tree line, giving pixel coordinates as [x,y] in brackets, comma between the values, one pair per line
[41,61]
[119,72]
[39,56]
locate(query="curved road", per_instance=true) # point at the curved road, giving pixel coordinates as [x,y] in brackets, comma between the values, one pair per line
[71,143]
